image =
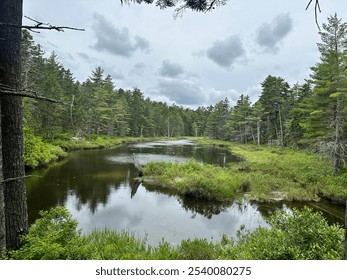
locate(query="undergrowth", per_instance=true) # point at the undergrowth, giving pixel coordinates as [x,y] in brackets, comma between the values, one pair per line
[302,234]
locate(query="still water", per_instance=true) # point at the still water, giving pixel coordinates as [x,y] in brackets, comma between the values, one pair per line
[98,188]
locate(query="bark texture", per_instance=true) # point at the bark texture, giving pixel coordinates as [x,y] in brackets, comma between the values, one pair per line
[11,124]
[2,201]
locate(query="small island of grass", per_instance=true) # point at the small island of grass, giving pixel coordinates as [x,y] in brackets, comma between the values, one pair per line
[264,174]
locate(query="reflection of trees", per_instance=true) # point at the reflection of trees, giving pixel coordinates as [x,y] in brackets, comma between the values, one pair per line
[88,175]
[205,208]
[202,207]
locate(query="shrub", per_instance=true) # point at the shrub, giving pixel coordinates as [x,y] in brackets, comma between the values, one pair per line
[37,152]
[197,249]
[53,236]
[301,235]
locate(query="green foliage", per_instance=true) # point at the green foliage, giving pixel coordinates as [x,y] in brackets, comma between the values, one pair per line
[301,235]
[37,152]
[53,236]
[108,245]
[197,249]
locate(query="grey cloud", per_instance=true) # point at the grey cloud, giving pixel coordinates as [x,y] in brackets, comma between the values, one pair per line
[226,52]
[138,69]
[86,57]
[182,92]
[169,69]
[269,35]
[117,41]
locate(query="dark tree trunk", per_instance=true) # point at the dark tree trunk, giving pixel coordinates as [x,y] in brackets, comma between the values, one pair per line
[2,202]
[11,125]
[345,256]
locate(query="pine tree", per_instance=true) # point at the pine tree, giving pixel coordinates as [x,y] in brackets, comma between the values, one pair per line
[273,100]
[240,121]
[327,120]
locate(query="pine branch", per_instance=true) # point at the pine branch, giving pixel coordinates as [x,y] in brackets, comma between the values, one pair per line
[40,26]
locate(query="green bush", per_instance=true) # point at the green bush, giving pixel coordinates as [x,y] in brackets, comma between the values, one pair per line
[37,152]
[197,249]
[53,236]
[301,235]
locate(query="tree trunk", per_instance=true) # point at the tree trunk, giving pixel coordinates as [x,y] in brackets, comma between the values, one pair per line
[345,255]
[16,216]
[258,133]
[2,202]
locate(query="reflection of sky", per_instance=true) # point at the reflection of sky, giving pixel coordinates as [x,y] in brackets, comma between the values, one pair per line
[159,216]
[142,159]
[163,143]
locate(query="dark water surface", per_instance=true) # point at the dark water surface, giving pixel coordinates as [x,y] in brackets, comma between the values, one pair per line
[98,188]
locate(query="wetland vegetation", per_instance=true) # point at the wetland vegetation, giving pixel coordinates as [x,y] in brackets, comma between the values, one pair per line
[289,146]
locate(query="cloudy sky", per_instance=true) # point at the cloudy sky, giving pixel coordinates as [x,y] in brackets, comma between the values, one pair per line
[195,60]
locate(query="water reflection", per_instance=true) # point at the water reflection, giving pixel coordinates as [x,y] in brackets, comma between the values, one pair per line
[99,189]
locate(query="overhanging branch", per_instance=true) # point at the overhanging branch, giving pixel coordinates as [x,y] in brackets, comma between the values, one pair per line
[316,10]
[6,90]
[40,26]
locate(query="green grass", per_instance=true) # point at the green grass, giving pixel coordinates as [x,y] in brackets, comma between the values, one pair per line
[194,179]
[302,234]
[265,174]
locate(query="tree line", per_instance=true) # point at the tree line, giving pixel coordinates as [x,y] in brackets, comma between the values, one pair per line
[309,115]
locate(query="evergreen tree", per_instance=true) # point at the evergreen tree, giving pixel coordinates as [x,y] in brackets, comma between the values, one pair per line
[327,119]
[216,126]
[240,121]
[273,100]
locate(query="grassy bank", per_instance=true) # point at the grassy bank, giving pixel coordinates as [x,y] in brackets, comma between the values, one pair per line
[300,235]
[40,153]
[265,174]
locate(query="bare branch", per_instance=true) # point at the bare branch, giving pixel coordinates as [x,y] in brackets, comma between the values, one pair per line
[40,26]
[6,90]
[316,10]
[19,178]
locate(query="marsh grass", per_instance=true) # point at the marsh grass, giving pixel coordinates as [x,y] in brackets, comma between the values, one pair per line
[264,174]
[194,179]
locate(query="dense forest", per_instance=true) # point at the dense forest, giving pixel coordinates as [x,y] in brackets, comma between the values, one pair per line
[309,115]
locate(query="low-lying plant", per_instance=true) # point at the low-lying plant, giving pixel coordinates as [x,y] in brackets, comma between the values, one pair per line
[193,179]
[302,234]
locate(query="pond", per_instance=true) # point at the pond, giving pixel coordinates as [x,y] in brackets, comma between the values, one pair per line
[99,188]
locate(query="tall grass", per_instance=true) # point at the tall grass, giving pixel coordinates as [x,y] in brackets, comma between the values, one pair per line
[298,235]
[265,174]
[194,179]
